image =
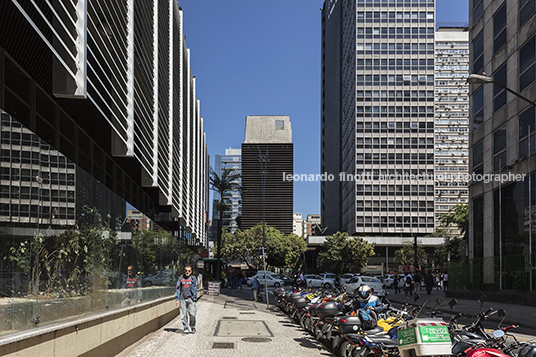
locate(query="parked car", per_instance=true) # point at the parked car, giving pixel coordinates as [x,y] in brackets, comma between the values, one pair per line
[162,278]
[344,278]
[378,288]
[269,278]
[317,281]
[328,278]
[389,279]
[286,279]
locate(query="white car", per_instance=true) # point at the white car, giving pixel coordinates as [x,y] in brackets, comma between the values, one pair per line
[390,278]
[328,278]
[377,286]
[270,279]
[316,281]
[344,278]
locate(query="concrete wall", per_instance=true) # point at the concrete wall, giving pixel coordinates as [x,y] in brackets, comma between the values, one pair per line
[104,334]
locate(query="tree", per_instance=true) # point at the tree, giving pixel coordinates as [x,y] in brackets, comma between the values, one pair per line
[406,254]
[458,216]
[282,250]
[345,254]
[227,181]
[455,246]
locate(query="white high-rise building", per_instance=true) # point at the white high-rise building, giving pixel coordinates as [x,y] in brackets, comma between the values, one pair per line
[451,117]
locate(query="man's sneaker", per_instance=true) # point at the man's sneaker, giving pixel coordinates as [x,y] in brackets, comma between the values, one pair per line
[193,330]
[185,332]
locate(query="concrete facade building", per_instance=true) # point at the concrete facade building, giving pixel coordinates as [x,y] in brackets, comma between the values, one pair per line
[377,124]
[501,224]
[232,160]
[451,118]
[269,135]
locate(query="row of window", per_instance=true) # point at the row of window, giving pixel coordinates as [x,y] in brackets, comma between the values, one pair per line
[394,109]
[393,31]
[396,15]
[393,141]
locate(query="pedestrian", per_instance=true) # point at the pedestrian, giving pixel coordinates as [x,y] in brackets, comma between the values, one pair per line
[255,286]
[417,281]
[429,281]
[131,281]
[408,284]
[240,278]
[438,281]
[186,299]
[445,282]
[224,278]
[396,279]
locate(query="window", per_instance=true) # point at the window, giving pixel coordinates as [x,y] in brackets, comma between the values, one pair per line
[526,63]
[478,53]
[526,129]
[499,148]
[499,28]
[499,93]
[478,158]
[478,9]
[478,107]
[526,10]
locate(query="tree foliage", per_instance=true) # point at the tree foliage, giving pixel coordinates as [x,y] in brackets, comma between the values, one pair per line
[345,254]
[455,246]
[458,216]
[406,254]
[282,250]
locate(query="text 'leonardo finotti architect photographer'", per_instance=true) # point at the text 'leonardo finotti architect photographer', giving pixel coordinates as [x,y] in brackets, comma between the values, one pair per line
[109,85]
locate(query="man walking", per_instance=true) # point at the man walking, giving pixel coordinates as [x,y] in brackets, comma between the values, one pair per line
[429,281]
[255,286]
[445,282]
[186,298]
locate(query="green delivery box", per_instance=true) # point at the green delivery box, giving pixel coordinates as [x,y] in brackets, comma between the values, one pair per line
[427,337]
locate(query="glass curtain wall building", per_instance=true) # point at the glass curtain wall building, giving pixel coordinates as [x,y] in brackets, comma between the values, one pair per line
[232,160]
[98,111]
[378,116]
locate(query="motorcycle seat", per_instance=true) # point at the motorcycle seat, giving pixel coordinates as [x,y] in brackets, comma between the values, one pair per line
[385,340]
[374,331]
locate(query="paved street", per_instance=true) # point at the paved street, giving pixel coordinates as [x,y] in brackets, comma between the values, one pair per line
[230,318]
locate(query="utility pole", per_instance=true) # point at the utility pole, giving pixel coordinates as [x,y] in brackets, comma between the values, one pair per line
[263,159]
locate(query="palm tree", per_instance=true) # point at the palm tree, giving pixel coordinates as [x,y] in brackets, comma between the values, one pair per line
[227,181]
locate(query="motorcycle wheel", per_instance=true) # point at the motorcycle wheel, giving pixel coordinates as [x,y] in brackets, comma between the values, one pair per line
[302,322]
[317,332]
[336,342]
[345,349]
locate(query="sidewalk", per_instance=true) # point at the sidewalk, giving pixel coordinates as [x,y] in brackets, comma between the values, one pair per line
[231,318]
[524,316]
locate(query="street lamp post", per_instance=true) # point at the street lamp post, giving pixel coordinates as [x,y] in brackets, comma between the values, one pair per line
[484,79]
[263,159]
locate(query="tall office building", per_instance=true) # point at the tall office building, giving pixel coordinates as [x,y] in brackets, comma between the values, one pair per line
[272,136]
[378,116]
[232,160]
[451,118]
[502,141]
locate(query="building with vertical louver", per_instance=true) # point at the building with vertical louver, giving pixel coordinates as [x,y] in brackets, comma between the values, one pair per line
[108,84]
[271,135]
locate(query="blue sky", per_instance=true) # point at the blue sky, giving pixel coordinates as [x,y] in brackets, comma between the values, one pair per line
[262,57]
